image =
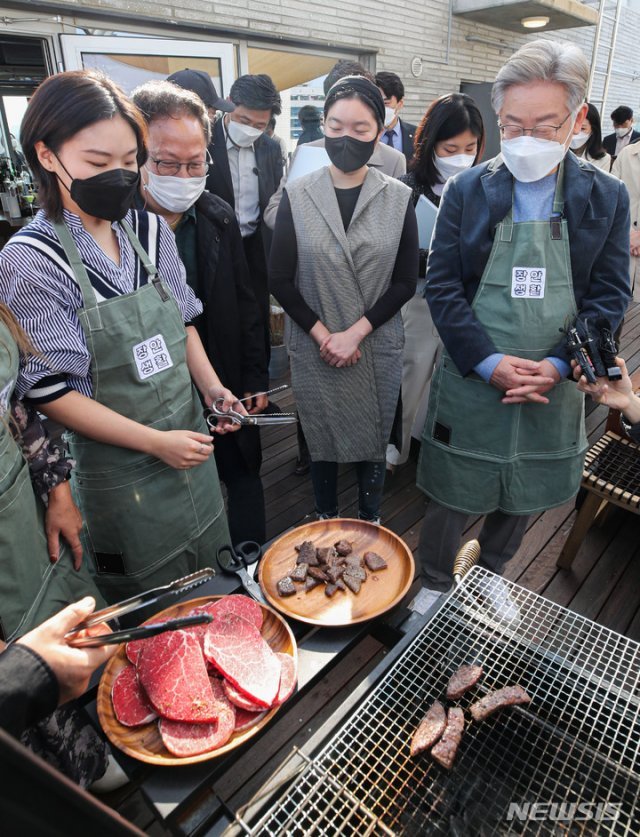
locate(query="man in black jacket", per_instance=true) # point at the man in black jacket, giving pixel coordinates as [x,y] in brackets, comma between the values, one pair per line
[247,168]
[398,133]
[211,247]
[623,134]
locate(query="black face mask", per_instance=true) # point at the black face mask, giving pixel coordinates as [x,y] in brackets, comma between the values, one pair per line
[107,195]
[347,153]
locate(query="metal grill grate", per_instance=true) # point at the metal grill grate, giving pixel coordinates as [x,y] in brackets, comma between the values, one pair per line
[577,742]
[612,467]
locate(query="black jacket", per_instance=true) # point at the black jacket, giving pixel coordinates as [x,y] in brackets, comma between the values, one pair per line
[408,133]
[231,327]
[268,164]
[609,142]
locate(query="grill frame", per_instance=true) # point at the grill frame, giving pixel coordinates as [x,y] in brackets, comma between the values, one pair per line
[612,470]
[584,681]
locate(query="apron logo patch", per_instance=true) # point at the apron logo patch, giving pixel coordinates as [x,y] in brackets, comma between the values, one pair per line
[152,356]
[528,282]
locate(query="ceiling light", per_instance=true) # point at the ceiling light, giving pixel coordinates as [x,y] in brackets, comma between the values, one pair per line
[534,22]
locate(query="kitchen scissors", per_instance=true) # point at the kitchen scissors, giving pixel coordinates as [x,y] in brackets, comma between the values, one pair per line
[216,412]
[242,556]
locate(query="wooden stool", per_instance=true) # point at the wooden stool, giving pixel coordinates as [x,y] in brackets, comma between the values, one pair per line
[611,476]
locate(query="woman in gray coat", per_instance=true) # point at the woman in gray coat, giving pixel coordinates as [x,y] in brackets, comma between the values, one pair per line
[344,261]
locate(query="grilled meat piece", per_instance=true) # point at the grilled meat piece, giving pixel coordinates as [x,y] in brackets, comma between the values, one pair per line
[310,583]
[499,699]
[445,750]
[307,554]
[286,587]
[462,680]
[355,572]
[343,547]
[374,561]
[330,590]
[324,554]
[316,572]
[341,585]
[429,729]
[354,584]
[355,561]
[299,573]
[334,573]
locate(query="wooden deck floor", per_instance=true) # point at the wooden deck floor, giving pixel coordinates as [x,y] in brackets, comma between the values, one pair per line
[603,583]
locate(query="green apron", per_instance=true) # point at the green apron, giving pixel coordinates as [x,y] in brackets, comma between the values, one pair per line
[479,455]
[31,588]
[147,523]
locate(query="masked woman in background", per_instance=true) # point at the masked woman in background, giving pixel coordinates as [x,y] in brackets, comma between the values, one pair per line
[344,260]
[101,293]
[449,139]
[588,143]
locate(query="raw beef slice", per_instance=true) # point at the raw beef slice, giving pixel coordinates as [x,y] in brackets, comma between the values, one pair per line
[288,678]
[129,701]
[238,699]
[239,606]
[132,649]
[173,673]
[245,720]
[237,649]
[184,740]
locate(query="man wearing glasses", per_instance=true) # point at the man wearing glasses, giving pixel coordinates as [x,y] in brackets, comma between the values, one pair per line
[210,245]
[522,244]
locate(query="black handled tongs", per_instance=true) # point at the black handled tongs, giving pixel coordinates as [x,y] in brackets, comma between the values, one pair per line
[116,637]
[180,585]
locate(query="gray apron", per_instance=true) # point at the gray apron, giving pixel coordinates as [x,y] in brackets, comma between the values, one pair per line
[147,523]
[31,587]
[347,413]
[479,455]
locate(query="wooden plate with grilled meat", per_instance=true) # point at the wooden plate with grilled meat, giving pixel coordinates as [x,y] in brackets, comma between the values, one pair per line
[380,592]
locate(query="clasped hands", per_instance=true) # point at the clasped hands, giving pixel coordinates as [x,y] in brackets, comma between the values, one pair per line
[341,348]
[524,381]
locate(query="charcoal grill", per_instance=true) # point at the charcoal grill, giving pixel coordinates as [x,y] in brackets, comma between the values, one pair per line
[577,742]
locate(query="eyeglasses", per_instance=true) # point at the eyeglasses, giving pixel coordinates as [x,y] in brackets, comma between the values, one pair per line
[194,169]
[545,132]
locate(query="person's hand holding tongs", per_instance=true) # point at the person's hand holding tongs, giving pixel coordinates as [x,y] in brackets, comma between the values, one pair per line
[82,637]
[221,412]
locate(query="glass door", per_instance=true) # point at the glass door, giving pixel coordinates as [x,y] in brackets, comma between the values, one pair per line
[132,61]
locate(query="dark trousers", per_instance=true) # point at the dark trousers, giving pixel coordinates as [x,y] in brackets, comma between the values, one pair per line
[245,495]
[257,261]
[324,476]
[442,529]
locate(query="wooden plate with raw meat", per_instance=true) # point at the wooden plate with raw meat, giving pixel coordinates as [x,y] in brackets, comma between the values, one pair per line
[238,674]
[375,563]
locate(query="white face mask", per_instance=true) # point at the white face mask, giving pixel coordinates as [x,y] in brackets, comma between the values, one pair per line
[622,132]
[389,116]
[176,194]
[448,166]
[530,159]
[578,140]
[243,135]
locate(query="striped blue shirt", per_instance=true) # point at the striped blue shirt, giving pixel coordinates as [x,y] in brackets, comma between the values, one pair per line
[37,283]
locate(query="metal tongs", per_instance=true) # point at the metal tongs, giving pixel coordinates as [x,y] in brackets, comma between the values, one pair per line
[216,412]
[180,585]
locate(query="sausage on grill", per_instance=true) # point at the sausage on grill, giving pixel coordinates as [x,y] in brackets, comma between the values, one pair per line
[429,729]
[463,679]
[445,750]
[509,696]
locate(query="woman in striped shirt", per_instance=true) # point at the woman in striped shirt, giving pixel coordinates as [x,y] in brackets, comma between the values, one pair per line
[101,292]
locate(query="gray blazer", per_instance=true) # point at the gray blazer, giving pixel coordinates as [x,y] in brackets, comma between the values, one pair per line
[475,201]
[385,159]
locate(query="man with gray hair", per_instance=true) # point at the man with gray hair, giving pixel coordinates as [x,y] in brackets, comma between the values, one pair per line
[522,244]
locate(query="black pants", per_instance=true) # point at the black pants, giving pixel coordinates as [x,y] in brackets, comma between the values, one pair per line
[257,261]
[324,476]
[245,495]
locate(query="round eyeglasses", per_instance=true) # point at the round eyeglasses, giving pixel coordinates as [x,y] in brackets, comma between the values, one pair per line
[545,132]
[194,169]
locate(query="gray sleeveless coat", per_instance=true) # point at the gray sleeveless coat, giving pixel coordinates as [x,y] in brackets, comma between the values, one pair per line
[347,413]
